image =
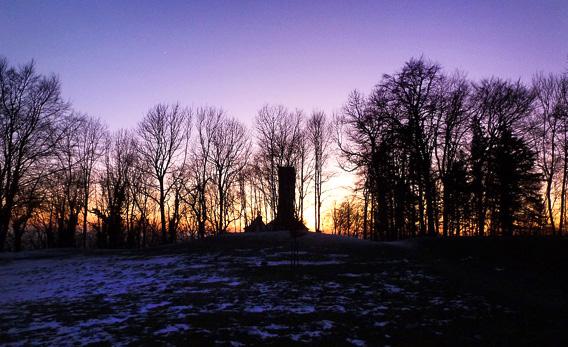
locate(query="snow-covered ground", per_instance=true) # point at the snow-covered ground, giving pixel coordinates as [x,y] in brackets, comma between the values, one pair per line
[233,297]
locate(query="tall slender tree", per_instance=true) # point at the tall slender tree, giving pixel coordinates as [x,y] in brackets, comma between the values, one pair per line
[320,133]
[164,133]
[90,150]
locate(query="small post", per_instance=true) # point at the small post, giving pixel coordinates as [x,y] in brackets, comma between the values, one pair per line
[294,254]
[285,216]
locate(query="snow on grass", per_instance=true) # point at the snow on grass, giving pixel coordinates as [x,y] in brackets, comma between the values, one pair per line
[79,276]
[149,307]
[296,309]
[178,308]
[199,266]
[258,308]
[302,309]
[381,324]
[223,306]
[353,275]
[199,290]
[437,301]
[172,329]
[160,261]
[35,326]
[332,285]
[304,262]
[337,308]
[287,254]
[392,289]
[57,334]
[357,342]
[276,327]
[217,279]
[165,295]
[260,333]
[104,321]
[306,336]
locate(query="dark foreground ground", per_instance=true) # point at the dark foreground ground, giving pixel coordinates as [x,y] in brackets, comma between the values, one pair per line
[240,290]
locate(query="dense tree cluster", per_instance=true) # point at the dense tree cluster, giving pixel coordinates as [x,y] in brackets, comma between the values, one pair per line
[67,181]
[440,155]
[434,153]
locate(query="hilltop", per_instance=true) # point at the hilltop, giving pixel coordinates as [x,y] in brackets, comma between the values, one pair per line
[239,289]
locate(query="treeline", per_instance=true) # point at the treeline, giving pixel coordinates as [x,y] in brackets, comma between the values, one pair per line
[434,153]
[67,181]
[437,154]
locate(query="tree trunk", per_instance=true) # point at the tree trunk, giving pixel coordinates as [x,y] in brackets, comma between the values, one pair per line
[175,219]
[430,206]
[365,211]
[5,214]
[382,220]
[317,199]
[163,211]
[221,220]
[85,212]
[480,214]
[563,196]
[3,233]
[549,203]
[445,212]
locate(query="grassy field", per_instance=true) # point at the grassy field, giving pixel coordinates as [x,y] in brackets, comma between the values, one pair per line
[240,290]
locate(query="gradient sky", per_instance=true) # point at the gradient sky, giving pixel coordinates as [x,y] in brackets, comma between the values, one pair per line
[117,58]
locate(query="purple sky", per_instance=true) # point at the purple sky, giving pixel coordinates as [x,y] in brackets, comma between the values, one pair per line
[117,58]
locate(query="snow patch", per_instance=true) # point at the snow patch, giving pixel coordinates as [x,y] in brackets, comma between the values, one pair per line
[172,329]
[390,288]
[261,333]
[257,309]
[148,307]
[326,324]
[357,342]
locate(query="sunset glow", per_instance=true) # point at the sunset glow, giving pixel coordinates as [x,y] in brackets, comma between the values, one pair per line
[283,172]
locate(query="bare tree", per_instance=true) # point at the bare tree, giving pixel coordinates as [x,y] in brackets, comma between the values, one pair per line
[546,128]
[70,180]
[562,138]
[141,188]
[499,108]
[278,133]
[320,133]
[453,128]
[119,166]
[199,170]
[230,151]
[31,197]
[416,93]
[30,105]
[360,137]
[305,169]
[90,149]
[347,218]
[164,134]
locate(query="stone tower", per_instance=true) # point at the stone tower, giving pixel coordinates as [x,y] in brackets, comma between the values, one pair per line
[286,194]
[285,217]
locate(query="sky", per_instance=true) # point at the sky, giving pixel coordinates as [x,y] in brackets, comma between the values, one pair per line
[116,59]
